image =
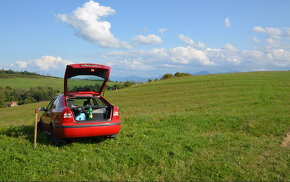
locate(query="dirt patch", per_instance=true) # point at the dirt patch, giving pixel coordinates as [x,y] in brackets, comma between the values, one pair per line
[286,140]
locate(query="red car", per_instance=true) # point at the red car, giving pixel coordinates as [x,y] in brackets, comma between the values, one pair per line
[81,111]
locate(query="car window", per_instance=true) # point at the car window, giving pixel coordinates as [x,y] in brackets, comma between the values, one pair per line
[82,101]
[55,103]
[50,104]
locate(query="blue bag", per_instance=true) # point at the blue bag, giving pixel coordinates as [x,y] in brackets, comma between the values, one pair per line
[81,117]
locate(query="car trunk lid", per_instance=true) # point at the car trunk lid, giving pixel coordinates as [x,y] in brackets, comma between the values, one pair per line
[85,78]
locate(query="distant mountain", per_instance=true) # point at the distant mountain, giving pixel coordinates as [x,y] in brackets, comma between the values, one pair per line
[128,78]
[201,73]
[145,79]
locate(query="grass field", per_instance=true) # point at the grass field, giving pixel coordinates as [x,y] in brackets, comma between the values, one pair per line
[225,127]
[56,83]
[26,83]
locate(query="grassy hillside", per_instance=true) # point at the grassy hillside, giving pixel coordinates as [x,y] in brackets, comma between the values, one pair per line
[217,127]
[29,82]
[26,83]
[26,80]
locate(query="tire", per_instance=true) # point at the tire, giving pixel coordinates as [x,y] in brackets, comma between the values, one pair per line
[53,139]
[39,127]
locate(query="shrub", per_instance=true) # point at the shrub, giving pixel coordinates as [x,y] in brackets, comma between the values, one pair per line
[128,84]
[167,76]
[177,74]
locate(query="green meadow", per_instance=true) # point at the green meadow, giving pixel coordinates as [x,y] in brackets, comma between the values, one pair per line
[223,127]
[29,82]
[41,81]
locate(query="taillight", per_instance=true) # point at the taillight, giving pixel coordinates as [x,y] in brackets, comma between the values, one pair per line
[67,115]
[116,113]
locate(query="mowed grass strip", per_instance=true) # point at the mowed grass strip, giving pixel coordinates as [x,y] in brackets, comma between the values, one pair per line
[215,127]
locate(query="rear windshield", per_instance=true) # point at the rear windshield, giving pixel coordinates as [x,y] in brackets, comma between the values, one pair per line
[84,83]
[83,101]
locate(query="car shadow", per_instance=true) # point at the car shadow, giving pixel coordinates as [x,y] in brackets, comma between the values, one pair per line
[27,132]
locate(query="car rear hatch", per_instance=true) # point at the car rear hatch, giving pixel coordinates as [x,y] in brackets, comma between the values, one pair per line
[85,78]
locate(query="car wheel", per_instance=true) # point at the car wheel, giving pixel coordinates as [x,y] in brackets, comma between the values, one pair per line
[54,140]
[39,127]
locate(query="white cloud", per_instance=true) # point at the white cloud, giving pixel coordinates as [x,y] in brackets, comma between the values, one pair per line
[275,33]
[192,59]
[45,63]
[273,38]
[227,22]
[170,65]
[149,39]
[86,21]
[190,42]
[270,41]
[230,47]
[21,64]
[50,62]
[271,54]
[288,33]
[258,29]
[223,56]
[162,56]
[250,54]
[186,39]
[185,55]
[162,30]
[200,45]
[256,40]
[281,57]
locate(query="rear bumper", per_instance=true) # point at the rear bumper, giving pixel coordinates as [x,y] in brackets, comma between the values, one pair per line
[87,130]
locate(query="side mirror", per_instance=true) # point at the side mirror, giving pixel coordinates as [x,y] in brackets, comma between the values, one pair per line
[41,109]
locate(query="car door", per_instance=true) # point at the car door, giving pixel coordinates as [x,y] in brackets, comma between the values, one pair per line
[54,111]
[46,117]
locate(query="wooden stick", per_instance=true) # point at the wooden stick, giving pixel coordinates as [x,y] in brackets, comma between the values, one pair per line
[35,129]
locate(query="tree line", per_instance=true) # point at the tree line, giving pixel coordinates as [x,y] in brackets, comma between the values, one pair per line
[11,74]
[169,75]
[37,94]
[97,87]
[22,96]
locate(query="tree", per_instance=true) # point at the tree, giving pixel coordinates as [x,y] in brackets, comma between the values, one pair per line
[177,74]
[115,87]
[2,97]
[29,100]
[167,76]
[128,84]
[8,94]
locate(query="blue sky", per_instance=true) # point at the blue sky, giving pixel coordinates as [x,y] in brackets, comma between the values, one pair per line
[145,38]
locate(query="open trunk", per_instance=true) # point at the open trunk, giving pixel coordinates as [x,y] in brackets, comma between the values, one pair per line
[85,78]
[80,106]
